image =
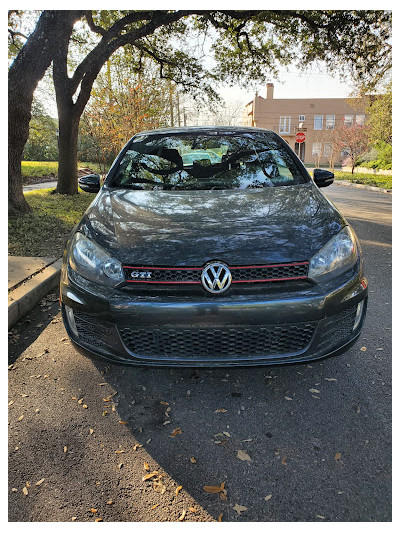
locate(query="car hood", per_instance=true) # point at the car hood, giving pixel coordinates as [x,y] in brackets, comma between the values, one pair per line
[239,227]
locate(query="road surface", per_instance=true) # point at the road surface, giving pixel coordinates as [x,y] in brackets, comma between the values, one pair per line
[82,432]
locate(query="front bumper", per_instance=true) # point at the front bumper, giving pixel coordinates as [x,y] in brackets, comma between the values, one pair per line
[280,326]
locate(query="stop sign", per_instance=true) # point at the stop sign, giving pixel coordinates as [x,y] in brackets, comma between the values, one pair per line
[300,137]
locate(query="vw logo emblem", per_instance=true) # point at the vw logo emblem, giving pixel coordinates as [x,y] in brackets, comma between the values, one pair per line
[216,278]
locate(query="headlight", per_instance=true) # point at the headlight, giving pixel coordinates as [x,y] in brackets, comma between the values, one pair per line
[93,263]
[336,257]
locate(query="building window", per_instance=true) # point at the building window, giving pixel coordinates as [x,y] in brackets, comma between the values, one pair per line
[348,121]
[328,149]
[345,152]
[318,122]
[302,118]
[316,149]
[360,120]
[284,125]
[330,122]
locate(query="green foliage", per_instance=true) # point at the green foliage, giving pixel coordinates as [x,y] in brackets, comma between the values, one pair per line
[45,230]
[42,142]
[380,117]
[379,156]
[376,180]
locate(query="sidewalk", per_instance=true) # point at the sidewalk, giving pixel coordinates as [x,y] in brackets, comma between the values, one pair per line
[29,280]
[42,185]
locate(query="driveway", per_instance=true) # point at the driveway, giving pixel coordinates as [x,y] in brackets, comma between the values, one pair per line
[310,442]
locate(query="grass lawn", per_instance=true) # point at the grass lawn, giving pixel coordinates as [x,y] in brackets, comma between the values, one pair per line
[32,170]
[376,180]
[45,230]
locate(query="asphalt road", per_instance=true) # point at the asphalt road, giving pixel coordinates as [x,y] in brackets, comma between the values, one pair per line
[75,423]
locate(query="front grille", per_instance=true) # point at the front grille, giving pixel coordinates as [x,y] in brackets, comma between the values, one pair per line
[90,329]
[219,342]
[240,274]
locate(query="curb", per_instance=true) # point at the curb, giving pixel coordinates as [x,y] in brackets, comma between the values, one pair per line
[26,296]
[346,183]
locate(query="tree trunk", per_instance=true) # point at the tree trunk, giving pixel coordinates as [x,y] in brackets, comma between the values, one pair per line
[68,155]
[24,74]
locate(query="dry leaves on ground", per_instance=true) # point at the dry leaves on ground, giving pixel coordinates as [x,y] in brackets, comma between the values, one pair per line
[243,456]
[175,432]
[239,508]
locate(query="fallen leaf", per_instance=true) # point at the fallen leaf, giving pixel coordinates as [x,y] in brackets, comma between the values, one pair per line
[243,456]
[110,502]
[220,517]
[221,411]
[283,461]
[164,403]
[320,517]
[25,491]
[122,422]
[239,508]
[176,431]
[315,391]
[182,517]
[120,465]
[101,384]
[226,434]
[146,466]
[65,449]
[93,510]
[154,506]
[267,498]
[192,509]
[91,431]
[330,379]
[137,446]
[213,489]
[99,519]
[149,476]
[178,489]
[166,422]
[287,398]
[193,460]
[223,495]
[10,402]
[84,406]
[363,349]
[38,483]
[14,489]
[80,401]
[337,456]
[74,518]
[120,451]
[20,418]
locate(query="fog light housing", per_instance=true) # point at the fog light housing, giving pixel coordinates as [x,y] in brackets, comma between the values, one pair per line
[359,311]
[71,320]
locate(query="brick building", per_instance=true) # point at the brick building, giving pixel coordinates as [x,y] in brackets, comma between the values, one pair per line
[315,117]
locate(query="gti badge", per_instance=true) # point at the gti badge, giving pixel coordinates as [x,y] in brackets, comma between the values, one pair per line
[141,274]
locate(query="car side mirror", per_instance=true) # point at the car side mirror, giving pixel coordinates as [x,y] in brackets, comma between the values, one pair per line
[323,178]
[89,183]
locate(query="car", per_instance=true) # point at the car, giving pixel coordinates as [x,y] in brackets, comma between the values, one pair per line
[242,261]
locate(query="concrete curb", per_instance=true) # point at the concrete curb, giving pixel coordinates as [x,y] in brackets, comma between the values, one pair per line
[26,296]
[360,186]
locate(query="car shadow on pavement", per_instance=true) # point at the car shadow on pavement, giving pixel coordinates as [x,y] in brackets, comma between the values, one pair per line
[259,431]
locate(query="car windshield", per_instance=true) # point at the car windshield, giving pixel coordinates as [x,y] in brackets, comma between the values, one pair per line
[207,160]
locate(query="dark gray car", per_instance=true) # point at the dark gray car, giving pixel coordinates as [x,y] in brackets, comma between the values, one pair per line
[231,258]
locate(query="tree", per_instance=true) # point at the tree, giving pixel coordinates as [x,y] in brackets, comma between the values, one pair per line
[380,117]
[121,105]
[42,141]
[354,140]
[260,40]
[24,74]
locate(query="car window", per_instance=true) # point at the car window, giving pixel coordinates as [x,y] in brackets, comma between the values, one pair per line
[192,161]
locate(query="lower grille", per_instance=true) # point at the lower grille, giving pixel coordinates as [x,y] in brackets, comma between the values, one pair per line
[89,329]
[334,330]
[220,342]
